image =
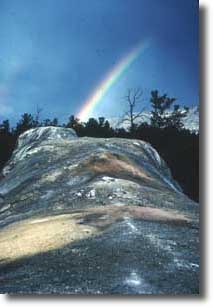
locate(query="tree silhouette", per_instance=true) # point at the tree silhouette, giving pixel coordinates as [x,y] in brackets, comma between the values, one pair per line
[133,98]
[176,117]
[5,127]
[75,124]
[162,115]
[38,115]
[27,121]
[160,104]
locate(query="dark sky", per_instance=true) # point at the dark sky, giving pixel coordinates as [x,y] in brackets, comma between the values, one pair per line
[54,53]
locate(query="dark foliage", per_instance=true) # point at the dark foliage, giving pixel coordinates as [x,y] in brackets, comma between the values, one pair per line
[7,142]
[180,149]
[160,118]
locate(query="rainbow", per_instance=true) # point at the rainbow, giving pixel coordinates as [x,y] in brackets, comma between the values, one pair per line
[117,71]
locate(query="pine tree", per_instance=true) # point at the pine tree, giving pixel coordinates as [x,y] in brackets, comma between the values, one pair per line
[162,115]
[175,118]
[160,105]
[27,121]
[5,126]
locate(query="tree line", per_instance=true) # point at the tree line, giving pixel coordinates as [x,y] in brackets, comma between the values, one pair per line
[165,132]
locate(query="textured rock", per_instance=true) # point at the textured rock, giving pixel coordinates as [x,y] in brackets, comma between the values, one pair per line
[94,216]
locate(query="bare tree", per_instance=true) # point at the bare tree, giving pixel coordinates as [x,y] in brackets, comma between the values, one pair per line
[37,115]
[133,98]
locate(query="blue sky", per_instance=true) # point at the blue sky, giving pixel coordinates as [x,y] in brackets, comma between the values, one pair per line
[55,53]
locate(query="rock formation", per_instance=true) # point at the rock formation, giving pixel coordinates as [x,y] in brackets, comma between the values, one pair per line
[94,216]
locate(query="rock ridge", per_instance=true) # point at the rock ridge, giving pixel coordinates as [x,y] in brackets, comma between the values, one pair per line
[70,205]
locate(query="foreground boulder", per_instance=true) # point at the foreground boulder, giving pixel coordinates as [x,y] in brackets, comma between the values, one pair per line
[94,216]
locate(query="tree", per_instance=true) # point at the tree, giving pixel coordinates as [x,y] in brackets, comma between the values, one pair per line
[5,126]
[174,119]
[54,122]
[75,124]
[7,142]
[37,116]
[105,130]
[92,128]
[162,115]
[133,98]
[101,121]
[47,122]
[27,121]
[160,104]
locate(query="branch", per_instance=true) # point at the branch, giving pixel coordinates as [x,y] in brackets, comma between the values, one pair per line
[139,114]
